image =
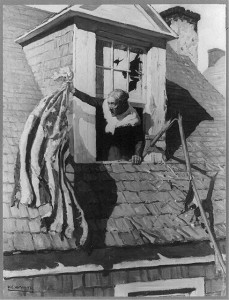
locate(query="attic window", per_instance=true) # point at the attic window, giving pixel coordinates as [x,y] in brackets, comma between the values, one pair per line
[162,288]
[119,66]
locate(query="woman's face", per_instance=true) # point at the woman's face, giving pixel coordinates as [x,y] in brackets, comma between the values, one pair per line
[116,106]
[113,105]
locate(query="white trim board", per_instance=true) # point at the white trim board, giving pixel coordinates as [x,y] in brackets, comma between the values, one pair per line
[123,290]
[60,269]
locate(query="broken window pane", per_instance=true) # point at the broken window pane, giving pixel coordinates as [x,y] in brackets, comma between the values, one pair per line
[129,60]
[120,57]
[135,89]
[119,81]
[136,61]
[135,73]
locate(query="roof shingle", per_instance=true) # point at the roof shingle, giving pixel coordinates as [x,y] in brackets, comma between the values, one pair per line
[131,216]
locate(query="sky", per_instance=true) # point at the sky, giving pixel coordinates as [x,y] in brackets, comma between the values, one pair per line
[211,27]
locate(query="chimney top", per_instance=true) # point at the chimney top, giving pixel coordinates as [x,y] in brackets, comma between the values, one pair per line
[179,12]
[214,55]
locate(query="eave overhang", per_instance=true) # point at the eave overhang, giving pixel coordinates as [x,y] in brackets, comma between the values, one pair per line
[65,15]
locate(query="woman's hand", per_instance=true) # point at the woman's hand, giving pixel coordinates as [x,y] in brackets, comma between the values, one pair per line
[71,87]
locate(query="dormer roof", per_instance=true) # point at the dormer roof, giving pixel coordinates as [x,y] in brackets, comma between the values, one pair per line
[141,18]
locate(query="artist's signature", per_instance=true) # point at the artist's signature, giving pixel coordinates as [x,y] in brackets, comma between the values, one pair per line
[20,288]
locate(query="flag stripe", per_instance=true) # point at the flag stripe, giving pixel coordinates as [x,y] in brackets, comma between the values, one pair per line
[40,169]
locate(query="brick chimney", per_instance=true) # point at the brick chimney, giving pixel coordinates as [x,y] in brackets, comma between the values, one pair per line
[184,23]
[214,55]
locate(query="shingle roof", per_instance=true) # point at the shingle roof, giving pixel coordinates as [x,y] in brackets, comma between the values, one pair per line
[20,95]
[124,205]
[203,110]
[182,71]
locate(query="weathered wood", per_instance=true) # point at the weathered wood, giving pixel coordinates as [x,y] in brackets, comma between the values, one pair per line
[84,80]
[156,138]
[155,109]
[156,90]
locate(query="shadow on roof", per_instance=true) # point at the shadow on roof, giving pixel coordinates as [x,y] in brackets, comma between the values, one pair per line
[181,101]
[96,192]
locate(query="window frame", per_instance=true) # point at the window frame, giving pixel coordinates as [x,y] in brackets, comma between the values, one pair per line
[114,41]
[123,290]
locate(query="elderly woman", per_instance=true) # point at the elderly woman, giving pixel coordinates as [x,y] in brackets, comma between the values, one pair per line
[119,131]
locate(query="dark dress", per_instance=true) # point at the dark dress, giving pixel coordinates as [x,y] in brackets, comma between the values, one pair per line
[123,144]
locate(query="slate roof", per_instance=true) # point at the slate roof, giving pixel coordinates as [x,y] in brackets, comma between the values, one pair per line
[182,71]
[128,205]
[203,109]
[124,205]
[20,91]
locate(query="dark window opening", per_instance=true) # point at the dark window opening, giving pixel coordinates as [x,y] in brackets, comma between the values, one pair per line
[118,66]
[168,293]
[103,140]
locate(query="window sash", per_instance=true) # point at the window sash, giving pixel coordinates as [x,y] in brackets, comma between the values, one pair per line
[113,69]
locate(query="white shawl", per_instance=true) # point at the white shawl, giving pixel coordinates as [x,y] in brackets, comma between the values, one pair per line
[129,118]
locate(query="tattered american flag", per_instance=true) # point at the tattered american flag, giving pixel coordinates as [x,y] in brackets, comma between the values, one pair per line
[40,167]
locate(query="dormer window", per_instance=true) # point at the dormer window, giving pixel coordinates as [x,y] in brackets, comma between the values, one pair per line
[107,47]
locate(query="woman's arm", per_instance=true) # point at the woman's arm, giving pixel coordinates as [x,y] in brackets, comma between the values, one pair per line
[93,101]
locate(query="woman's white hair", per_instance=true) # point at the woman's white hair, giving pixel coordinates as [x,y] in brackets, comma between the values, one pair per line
[119,94]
